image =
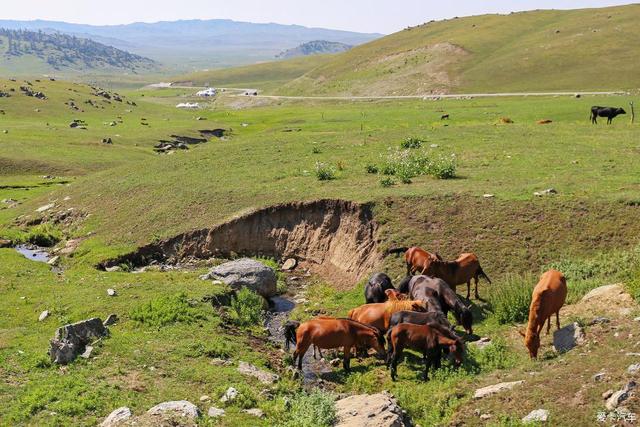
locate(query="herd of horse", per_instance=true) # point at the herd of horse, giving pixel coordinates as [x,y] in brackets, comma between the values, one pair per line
[413,315]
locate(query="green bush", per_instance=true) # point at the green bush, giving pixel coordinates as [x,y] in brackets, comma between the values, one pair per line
[246,308]
[44,234]
[510,299]
[325,172]
[372,169]
[443,167]
[411,143]
[166,310]
[387,182]
[407,164]
[316,409]
[316,150]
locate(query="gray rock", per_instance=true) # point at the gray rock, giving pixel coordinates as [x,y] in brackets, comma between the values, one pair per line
[116,417]
[54,261]
[607,394]
[289,264]
[599,376]
[179,407]
[369,410]
[205,398]
[70,340]
[255,412]
[229,395]
[496,388]
[111,292]
[547,192]
[599,321]
[633,369]
[263,376]
[45,207]
[482,343]
[568,337]
[215,412]
[620,396]
[43,315]
[536,416]
[485,417]
[87,352]
[247,273]
[113,269]
[111,320]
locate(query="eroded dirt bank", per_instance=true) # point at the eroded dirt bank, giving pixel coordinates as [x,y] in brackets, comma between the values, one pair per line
[336,239]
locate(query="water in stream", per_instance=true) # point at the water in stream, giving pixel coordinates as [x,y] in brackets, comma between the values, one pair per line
[33,253]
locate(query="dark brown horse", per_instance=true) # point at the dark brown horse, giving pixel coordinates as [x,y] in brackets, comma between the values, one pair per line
[418,260]
[329,333]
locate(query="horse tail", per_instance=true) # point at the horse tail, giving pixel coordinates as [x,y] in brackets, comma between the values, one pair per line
[481,273]
[290,329]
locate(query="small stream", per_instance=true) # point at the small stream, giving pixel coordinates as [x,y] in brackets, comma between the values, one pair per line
[33,253]
[312,369]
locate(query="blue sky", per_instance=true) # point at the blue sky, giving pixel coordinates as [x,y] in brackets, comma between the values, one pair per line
[385,16]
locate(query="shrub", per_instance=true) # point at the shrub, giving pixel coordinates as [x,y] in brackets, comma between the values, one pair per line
[510,300]
[372,169]
[166,310]
[387,182]
[443,167]
[246,308]
[44,234]
[411,143]
[316,409]
[316,150]
[325,172]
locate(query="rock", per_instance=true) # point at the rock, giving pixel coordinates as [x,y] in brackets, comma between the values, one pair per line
[255,412]
[116,417]
[220,362]
[247,273]
[87,352]
[607,394]
[5,243]
[335,362]
[71,245]
[263,376]
[43,315]
[547,192]
[536,416]
[488,196]
[293,372]
[111,292]
[215,412]
[229,395]
[485,417]
[113,269]
[599,321]
[112,319]
[70,340]
[637,319]
[633,369]
[369,410]
[599,376]
[205,398]
[179,407]
[289,264]
[609,297]
[620,396]
[482,343]
[496,388]
[568,337]
[45,207]
[54,261]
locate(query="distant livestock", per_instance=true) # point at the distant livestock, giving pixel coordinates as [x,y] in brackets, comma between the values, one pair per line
[548,298]
[609,112]
[444,117]
[544,122]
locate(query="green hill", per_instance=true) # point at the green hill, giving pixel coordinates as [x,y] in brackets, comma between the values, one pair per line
[586,49]
[29,52]
[316,47]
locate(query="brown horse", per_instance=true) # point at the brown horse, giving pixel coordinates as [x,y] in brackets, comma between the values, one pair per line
[378,315]
[418,260]
[462,270]
[331,333]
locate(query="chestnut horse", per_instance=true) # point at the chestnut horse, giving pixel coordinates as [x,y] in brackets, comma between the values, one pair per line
[417,259]
[462,270]
[378,315]
[331,333]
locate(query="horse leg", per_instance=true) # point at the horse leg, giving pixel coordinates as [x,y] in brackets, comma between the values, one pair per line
[425,376]
[347,358]
[475,279]
[558,319]
[397,354]
[469,289]
[437,352]
[301,349]
[548,325]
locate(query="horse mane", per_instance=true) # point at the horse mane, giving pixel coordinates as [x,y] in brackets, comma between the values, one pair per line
[392,306]
[373,328]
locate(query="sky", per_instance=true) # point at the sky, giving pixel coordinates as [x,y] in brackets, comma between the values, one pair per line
[381,16]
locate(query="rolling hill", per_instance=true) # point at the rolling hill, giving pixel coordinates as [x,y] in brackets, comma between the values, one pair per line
[30,52]
[195,44]
[315,47]
[586,49]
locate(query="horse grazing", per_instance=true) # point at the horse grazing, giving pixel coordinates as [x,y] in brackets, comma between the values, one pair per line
[417,259]
[419,318]
[378,315]
[424,287]
[290,329]
[548,297]
[331,333]
[403,286]
[427,339]
[457,272]
[374,291]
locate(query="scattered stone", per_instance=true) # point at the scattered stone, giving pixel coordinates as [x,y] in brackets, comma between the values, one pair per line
[633,369]
[536,416]
[263,376]
[434,145]
[335,362]
[112,319]
[70,340]
[45,207]
[482,343]
[369,410]
[111,292]
[43,315]
[205,398]
[496,388]
[215,412]
[229,395]
[116,417]
[4,243]
[179,407]
[599,321]
[632,354]
[485,417]
[113,269]
[220,362]
[87,352]
[607,394]
[293,372]
[54,261]
[637,319]
[620,396]
[488,196]
[568,337]
[255,412]
[547,192]
[247,273]
[599,376]
[289,264]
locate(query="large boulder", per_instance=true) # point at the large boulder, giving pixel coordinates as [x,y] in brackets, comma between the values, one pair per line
[71,340]
[246,273]
[263,376]
[179,407]
[117,417]
[369,410]
[568,337]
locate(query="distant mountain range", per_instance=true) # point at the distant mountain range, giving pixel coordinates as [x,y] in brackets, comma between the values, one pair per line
[193,44]
[27,52]
[315,47]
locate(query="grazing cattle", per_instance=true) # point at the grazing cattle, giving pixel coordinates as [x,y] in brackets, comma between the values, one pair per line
[457,272]
[548,298]
[374,291]
[329,333]
[378,315]
[545,122]
[417,259]
[427,339]
[609,112]
[424,287]
[444,117]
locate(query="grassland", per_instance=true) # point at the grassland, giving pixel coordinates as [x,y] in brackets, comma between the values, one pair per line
[125,195]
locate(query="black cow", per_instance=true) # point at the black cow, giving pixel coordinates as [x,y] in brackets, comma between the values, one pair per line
[375,288]
[609,112]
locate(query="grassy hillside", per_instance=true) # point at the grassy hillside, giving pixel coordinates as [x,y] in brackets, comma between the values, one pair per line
[588,49]
[117,196]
